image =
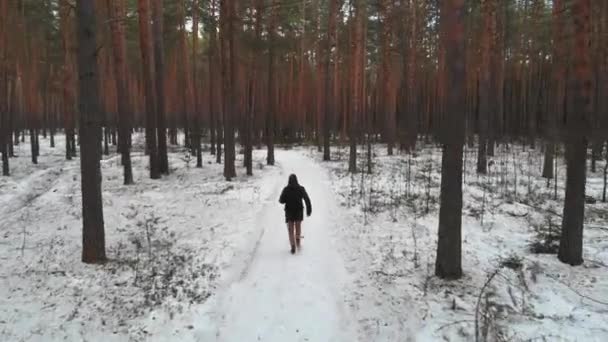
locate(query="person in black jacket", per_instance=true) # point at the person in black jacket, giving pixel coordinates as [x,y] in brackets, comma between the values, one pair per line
[292,197]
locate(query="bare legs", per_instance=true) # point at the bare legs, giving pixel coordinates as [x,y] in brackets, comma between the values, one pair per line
[294,229]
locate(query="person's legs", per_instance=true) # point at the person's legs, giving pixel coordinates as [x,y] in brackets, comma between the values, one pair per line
[298,232]
[290,231]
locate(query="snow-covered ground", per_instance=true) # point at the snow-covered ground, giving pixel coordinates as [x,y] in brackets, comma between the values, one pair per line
[196,258]
[390,236]
[170,242]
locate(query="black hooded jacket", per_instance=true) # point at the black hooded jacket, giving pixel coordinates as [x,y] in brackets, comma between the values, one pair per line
[292,196]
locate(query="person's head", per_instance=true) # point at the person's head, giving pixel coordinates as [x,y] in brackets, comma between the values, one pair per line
[293,180]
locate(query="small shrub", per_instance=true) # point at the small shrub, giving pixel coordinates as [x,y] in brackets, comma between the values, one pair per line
[547,237]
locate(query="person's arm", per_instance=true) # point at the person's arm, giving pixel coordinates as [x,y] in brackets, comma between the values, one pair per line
[307,200]
[282,198]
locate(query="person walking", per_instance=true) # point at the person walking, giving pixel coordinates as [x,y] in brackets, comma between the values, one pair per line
[292,196]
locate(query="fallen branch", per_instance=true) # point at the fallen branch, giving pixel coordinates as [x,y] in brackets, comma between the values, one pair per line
[517,215]
[398,275]
[454,323]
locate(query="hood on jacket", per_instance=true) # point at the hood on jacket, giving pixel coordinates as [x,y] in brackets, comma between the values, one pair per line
[293,180]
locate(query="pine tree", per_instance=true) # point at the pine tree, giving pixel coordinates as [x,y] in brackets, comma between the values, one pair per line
[577,121]
[93,236]
[448,264]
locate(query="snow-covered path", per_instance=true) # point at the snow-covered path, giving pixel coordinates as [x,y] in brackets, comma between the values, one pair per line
[281,297]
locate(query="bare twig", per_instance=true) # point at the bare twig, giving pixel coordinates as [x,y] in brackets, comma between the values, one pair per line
[454,323]
[398,275]
[577,292]
[483,289]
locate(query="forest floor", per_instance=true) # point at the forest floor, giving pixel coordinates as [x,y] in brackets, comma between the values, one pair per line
[511,223]
[168,241]
[195,258]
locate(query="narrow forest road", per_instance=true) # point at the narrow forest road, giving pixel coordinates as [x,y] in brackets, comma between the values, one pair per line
[282,297]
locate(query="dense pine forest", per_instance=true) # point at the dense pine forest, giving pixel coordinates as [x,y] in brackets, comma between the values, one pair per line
[449,115]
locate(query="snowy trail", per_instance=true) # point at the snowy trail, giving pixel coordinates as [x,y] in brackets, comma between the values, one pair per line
[281,297]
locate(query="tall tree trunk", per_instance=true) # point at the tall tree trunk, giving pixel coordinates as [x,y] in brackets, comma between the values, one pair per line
[34,154]
[571,241]
[448,264]
[116,10]
[357,82]
[559,89]
[329,99]
[271,104]
[196,122]
[388,95]
[228,20]
[69,80]
[411,108]
[212,79]
[93,237]
[106,143]
[596,154]
[159,60]
[487,93]
[52,127]
[5,136]
[145,33]
[252,103]
[605,175]
[548,160]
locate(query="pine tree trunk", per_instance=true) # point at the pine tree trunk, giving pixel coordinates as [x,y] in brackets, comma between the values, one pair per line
[491,145]
[571,241]
[411,107]
[212,85]
[116,9]
[329,99]
[271,115]
[5,135]
[558,88]
[596,154]
[448,264]
[159,60]
[357,82]
[106,143]
[605,175]
[228,25]
[33,146]
[196,130]
[548,160]
[147,56]
[487,82]
[52,134]
[93,237]
[69,80]
[388,96]
[252,103]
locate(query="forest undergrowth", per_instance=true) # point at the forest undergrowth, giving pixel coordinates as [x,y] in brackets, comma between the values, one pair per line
[514,288]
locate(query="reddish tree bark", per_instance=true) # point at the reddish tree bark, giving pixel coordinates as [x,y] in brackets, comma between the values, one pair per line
[93,237]
[159,60]
[145,37]
[271,110]
[5,140]
[116,10]
[448,263]
[577,128]
[228,18]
